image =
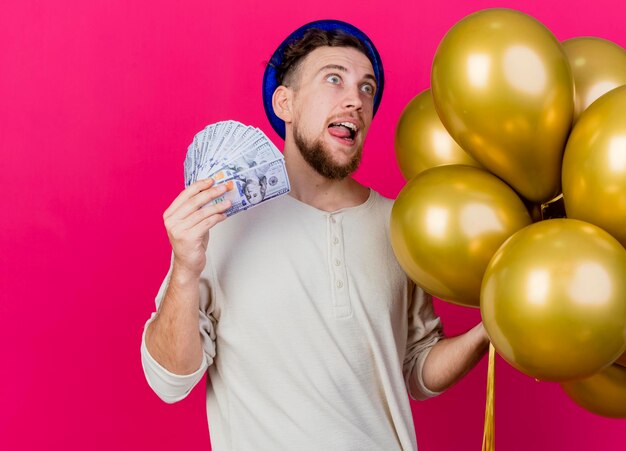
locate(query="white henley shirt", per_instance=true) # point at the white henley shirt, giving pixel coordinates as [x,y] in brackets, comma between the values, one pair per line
[312,332]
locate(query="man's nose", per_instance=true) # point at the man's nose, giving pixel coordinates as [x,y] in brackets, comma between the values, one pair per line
[352,99]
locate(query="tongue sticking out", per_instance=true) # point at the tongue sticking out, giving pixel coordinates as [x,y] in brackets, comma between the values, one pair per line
[340,131]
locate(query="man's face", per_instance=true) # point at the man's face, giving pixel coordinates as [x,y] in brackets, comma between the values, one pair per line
[333,105]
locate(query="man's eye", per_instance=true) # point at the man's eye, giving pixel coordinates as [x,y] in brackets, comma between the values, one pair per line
[333,79]
[368,89]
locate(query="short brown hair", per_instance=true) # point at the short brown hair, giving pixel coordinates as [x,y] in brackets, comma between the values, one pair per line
[312,39]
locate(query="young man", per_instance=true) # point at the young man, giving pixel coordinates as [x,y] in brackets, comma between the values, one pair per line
[310,330]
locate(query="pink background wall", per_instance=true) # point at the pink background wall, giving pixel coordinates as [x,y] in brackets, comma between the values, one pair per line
[99,102]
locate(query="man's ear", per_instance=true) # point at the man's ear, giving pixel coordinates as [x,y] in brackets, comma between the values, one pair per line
[281,102]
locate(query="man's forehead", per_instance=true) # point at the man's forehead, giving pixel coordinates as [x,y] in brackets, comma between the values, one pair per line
[349,58]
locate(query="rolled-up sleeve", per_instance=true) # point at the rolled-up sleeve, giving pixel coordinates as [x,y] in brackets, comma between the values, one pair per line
[423,332]
[172,387]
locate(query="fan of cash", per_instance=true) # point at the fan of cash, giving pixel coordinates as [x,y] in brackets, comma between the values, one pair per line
[240,156]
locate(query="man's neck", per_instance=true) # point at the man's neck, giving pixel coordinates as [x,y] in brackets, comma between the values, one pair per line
[308,186]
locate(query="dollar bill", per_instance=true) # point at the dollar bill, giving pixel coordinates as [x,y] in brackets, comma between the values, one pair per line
[200,144]
[230,141]
[189,165]
[234,146]
[246,143]
[264,153]
[250,188]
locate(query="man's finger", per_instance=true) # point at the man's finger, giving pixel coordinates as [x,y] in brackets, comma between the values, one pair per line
[205,225]
[199,200]
[190,191]
[202,214]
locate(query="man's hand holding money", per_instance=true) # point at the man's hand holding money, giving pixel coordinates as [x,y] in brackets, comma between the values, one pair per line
[188,224]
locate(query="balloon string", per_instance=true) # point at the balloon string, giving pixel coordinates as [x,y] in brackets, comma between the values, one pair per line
[489,431]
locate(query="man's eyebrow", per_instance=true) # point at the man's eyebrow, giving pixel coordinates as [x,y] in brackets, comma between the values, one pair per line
[343,69]
[371,77]
[333,67]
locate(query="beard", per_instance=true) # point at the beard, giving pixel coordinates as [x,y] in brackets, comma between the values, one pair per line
[319,158]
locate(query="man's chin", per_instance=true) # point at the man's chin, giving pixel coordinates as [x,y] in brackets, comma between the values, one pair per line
[333,160]
[338,170]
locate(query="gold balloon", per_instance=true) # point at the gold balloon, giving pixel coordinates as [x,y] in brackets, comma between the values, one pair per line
[422,142]
[503,88]
[603,393]
[594,165]
[447,223]
[553,300]
[598,66]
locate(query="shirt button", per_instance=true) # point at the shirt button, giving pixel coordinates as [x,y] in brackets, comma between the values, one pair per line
[339,284]
[337,262]
[332,219]
[336,240]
